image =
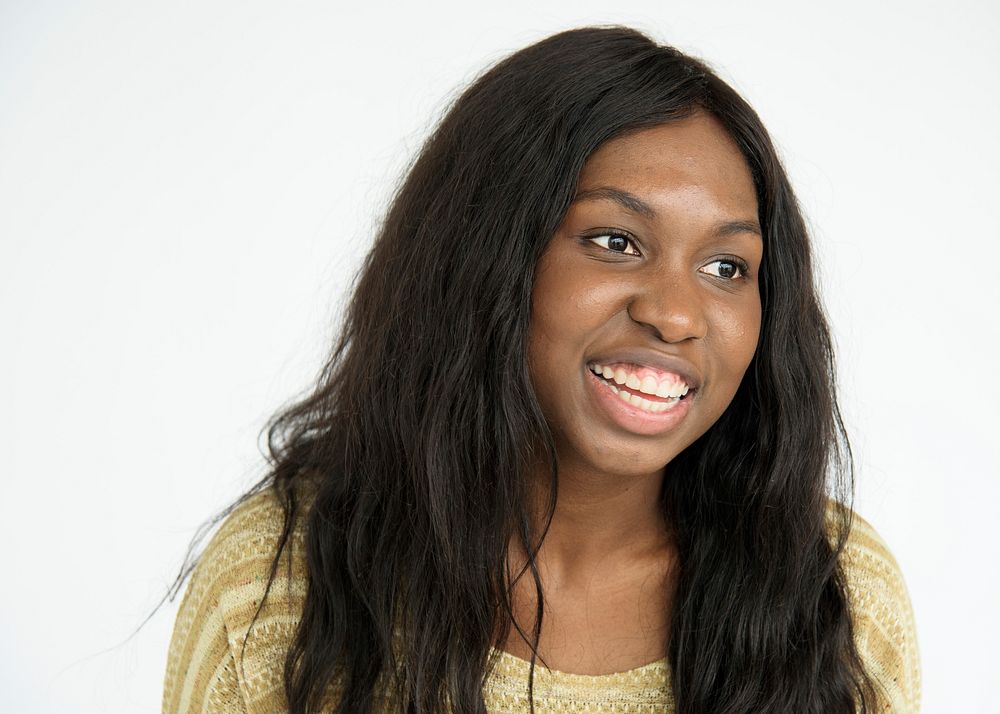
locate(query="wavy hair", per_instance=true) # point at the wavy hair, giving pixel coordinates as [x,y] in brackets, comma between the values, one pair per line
[406,463]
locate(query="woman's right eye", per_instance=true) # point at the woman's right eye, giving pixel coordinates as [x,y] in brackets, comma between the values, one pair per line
[615,243]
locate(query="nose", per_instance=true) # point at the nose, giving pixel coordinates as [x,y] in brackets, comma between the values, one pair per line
[672,309]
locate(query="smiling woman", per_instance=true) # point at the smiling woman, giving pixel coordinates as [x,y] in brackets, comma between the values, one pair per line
[649,276]
[578,446]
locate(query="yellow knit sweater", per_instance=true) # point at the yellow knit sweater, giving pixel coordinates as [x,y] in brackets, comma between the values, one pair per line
[208,673]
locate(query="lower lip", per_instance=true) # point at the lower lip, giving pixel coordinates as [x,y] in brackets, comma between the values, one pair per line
[632,418]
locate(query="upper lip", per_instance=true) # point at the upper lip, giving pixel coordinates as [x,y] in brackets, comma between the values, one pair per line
[652,358]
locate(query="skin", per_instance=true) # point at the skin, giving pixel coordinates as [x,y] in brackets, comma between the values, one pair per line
[607,561]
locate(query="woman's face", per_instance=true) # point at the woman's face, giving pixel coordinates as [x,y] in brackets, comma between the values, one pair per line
[651,280]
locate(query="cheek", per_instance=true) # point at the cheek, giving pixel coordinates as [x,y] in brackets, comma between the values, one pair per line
[738,329]
[568,304]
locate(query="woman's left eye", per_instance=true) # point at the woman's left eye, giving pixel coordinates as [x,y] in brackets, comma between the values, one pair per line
[615,243]
[730,268]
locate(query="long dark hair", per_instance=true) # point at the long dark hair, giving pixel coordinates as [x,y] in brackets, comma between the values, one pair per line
[406,464]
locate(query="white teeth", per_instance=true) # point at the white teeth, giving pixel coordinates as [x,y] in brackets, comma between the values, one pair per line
[648,385]
[668,389]
[643,404]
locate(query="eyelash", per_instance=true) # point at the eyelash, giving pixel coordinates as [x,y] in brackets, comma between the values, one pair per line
[740,264]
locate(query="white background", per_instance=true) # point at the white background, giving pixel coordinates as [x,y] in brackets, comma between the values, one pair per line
[186,188]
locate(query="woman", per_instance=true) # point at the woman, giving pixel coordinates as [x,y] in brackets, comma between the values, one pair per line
[573,448]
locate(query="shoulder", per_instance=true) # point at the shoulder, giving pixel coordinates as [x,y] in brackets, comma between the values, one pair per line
[246,540]
[227,650]
[884,627]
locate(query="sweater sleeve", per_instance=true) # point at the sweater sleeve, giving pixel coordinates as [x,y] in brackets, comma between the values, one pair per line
[201,670]
[225,657]
[885,631]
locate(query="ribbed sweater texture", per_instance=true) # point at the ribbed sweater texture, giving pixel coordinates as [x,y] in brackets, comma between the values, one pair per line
[209,671]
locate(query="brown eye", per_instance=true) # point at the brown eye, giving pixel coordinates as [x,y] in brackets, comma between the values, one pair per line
[615,243]
[728,269]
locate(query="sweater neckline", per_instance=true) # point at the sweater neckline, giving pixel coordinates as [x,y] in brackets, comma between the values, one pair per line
[655,669]
[647,685]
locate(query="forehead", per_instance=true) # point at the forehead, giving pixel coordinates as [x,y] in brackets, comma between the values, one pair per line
[693,157]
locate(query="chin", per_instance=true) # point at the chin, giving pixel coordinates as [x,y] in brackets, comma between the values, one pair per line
[630,462]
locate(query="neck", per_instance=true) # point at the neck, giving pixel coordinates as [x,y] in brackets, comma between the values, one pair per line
[599,519]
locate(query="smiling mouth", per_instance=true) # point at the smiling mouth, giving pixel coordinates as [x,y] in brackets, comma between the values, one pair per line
[648,394]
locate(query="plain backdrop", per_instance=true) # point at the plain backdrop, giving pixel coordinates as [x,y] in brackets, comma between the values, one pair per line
[186,189]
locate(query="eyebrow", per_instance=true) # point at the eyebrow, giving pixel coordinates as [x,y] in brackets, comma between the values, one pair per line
[632,203]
